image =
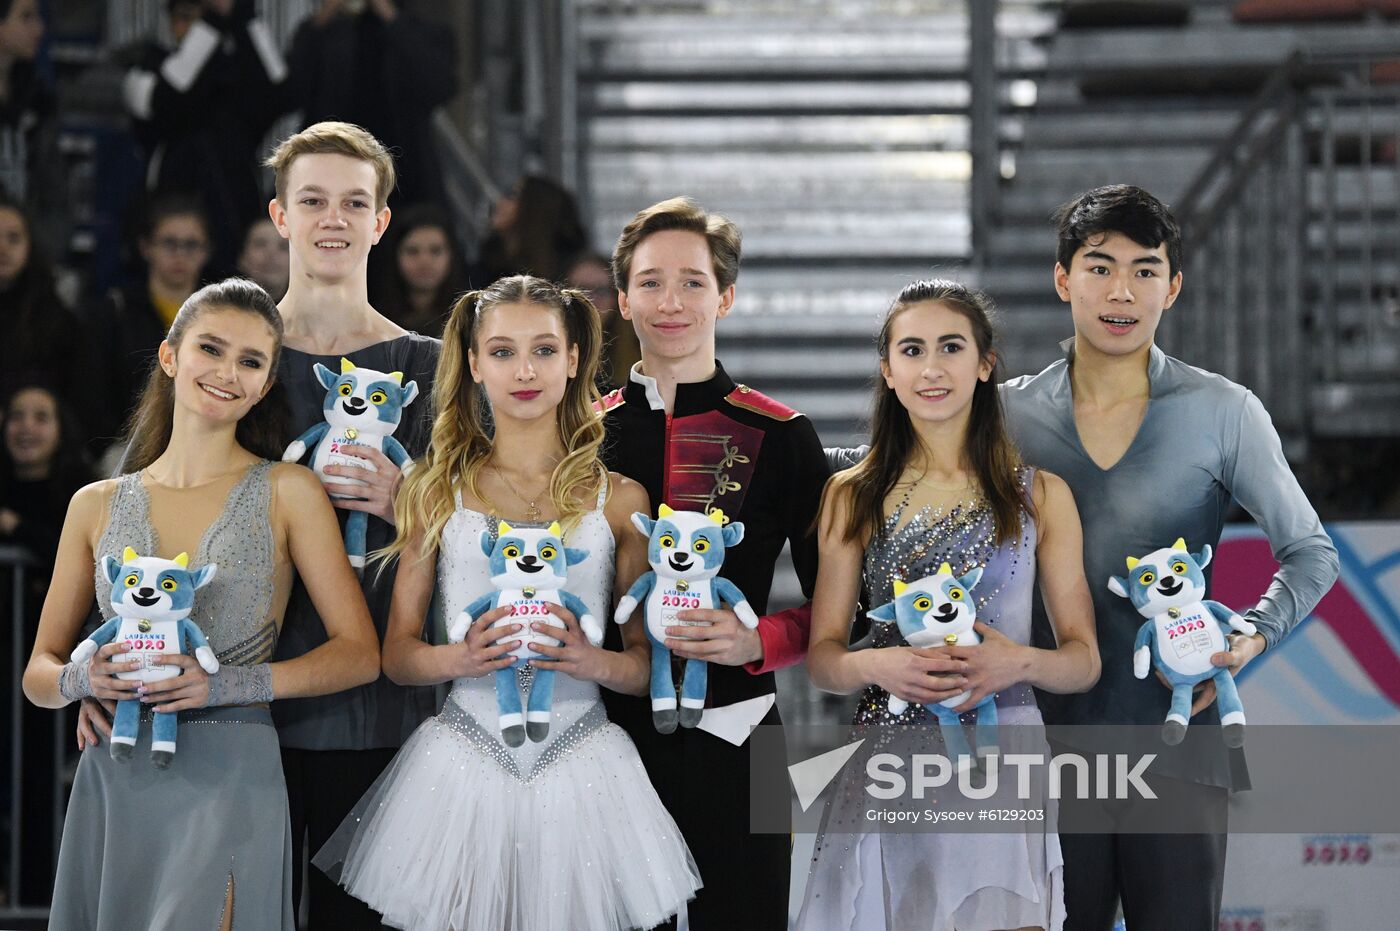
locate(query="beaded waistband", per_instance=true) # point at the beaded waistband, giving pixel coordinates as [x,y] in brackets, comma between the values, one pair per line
[227,714]
[458,719]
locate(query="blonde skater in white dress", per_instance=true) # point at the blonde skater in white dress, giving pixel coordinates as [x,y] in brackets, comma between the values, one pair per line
[463,831]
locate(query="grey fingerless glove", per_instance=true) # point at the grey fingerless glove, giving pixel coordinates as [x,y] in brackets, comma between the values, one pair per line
[73,682]
[241,685]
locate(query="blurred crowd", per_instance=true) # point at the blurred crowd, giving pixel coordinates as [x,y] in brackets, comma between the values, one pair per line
[200,109]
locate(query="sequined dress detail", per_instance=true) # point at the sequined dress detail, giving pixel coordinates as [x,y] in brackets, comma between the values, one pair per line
[242,632]
[912,547]
[217,818]
[463,832]
[860,880]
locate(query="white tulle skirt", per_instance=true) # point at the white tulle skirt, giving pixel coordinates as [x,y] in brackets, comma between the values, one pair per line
[452,836]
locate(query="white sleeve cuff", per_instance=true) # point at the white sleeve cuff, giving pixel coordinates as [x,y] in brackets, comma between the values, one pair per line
[272,61]
[182,68]
[137,89]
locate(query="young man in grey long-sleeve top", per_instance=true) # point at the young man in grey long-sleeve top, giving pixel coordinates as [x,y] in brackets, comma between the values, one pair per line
[1153,450]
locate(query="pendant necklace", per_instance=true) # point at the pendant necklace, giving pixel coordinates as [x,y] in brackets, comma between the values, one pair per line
[532,512]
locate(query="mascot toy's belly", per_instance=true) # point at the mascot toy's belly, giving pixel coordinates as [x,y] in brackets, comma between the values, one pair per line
[527,610]
[929,637]
[148,640]
[328,453]
[672,596]
[1187,641]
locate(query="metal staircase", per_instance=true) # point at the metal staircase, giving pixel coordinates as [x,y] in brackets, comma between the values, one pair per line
[836,134]
[840,136]
[1289,197]
[1154,106]
[1293,230]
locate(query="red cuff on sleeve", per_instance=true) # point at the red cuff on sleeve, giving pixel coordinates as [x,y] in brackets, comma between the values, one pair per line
[784,636]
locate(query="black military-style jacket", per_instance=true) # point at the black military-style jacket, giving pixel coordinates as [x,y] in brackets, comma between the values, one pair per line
[728,446]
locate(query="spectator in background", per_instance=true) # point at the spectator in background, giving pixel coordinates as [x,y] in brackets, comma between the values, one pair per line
[130,322]
[535,230]
[30,170]
[423,272]
[264,258]
[41,466]
[592,274]
[36,329]
[202,109]
[372,63]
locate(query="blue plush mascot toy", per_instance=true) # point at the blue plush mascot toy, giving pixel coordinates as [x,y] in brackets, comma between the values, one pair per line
[529,568]
[1182,632]
[152,599]
[686,551]
[939,610]
[363,407]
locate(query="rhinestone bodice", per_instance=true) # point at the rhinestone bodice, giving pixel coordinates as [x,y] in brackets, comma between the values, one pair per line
[235,610]
[912,548]
[464,575]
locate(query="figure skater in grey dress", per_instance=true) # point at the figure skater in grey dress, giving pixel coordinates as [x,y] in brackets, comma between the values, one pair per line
[943,484]
[205,842]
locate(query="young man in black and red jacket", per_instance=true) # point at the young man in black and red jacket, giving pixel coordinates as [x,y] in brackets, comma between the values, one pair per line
[697,440]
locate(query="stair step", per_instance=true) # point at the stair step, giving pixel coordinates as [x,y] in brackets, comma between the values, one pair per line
[867,235]
[771,135]
[849,9]
[891,173]
[1031,241]
[1224,47]
[807,251]
[1025,242]
[828,403]
[822,302]
[763,334]
[802,33]
[1043,177]
[783,98]
[820,204]
[1098,127]
[754,46]
[856,365]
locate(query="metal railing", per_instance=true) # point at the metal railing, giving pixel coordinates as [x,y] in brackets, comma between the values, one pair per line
[527,107]
[1293,258]
[470,188]
[16,562]
[984,121]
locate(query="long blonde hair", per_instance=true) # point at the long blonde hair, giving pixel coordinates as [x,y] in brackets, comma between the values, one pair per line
[461,438]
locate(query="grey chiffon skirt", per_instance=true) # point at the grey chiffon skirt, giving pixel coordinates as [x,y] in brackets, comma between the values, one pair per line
[158,849]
